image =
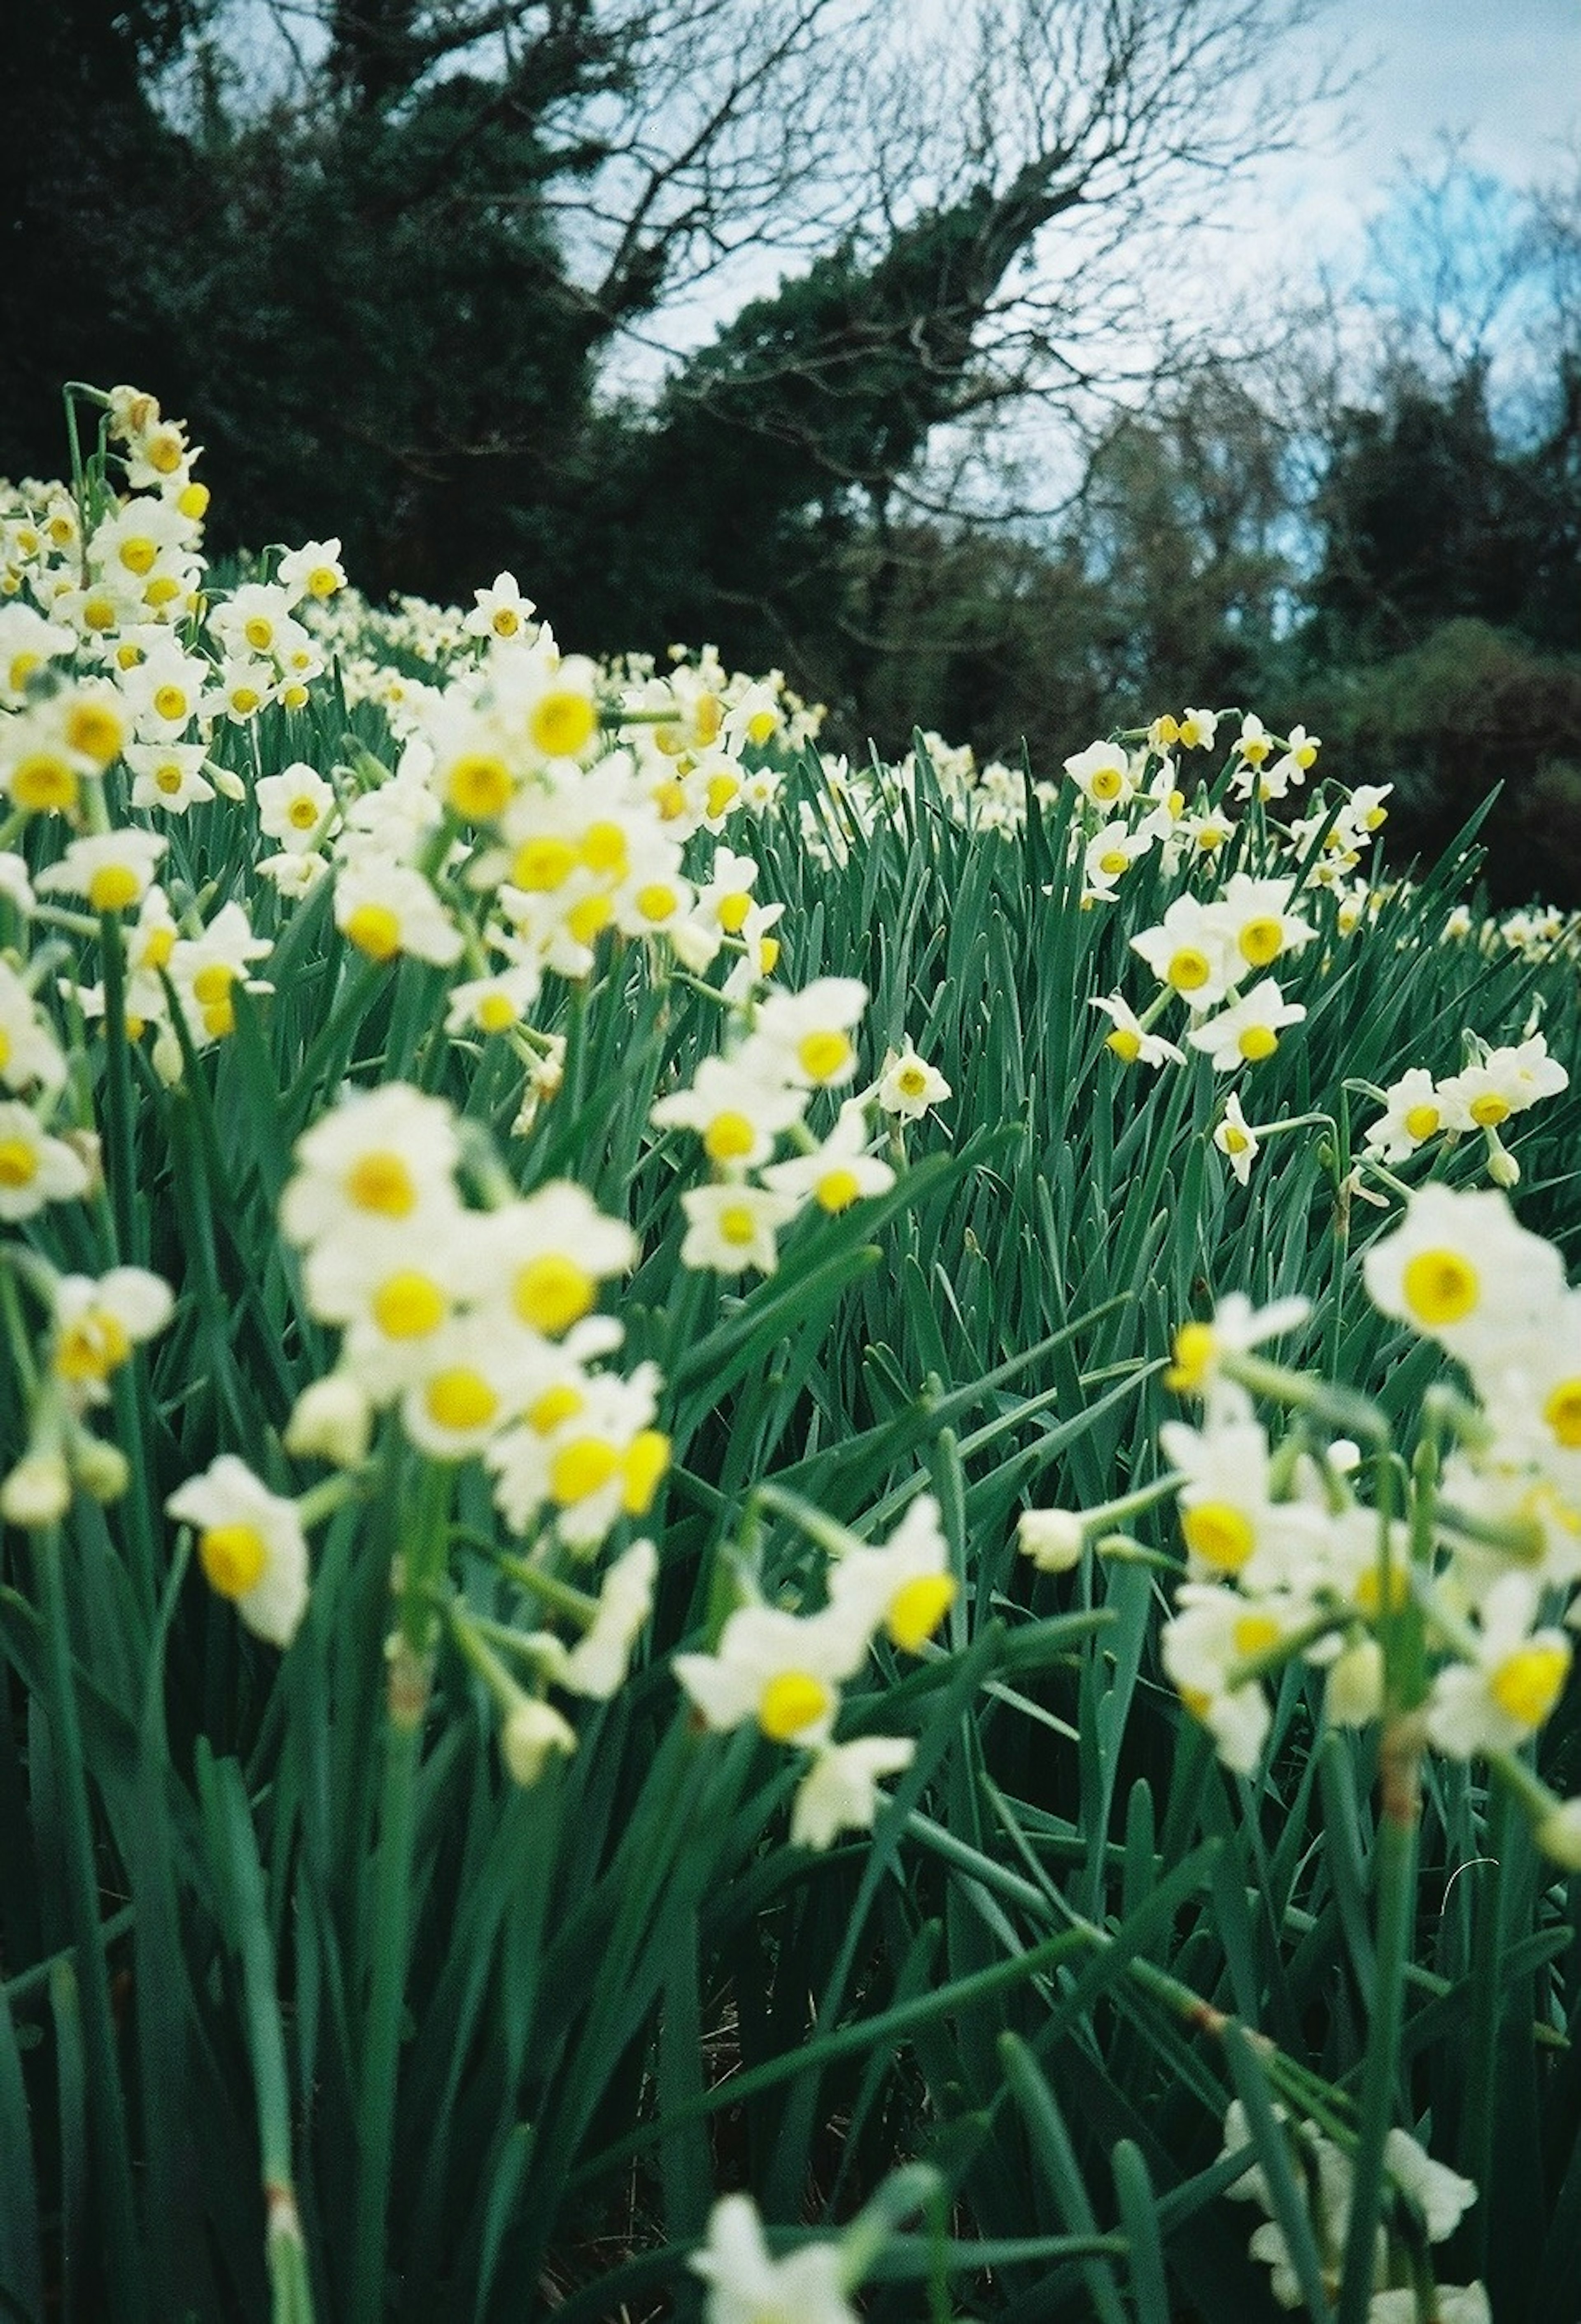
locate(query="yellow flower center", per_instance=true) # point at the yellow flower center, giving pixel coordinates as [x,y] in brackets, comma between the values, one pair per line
[505,621]
[163,452]
[728,1136]
[1257,1042]
[551,1293]
[1440,1286]
[581,1468]
[1194,1350]
[1108,783]
[768,954]
[587,918]
[738,1226]
[1189,970]
[496,1012]
[836,1191]
[917,1608]
[19,1163]
[1420,1122]
[733,910]
[381,1183]
[761,726]
[479,786]
[604,850]
[259,633]
[322,581]
[1369,1589]
[1489,1110]
[790,1703]
[1526,1684]
[911,1081]
[98,614]
[543,866]
[158,946]
[461,1400]
[192,500]
[235,1558]
[1562,1413]
[408,1306]
[113,887]
[1261,941]
[647,1456]
[302,813]
[1254,1634]
[92,1346]
[375,930]
[1219,1534]
[822,1056]
[562,724]
[658,901]
[553,1408]
[212,984]
[244,700]
[1114,861]
[1235,1141]
[168,779]
[138,554]
[720,791]
[94,729]
[169,702]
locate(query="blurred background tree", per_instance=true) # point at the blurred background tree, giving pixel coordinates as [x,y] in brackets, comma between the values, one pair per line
[417,272]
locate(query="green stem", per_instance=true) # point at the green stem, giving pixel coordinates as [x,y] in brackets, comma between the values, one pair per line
[119,1161]
[125,2288]
[381,2059]
[1400,1762]
[388,1928]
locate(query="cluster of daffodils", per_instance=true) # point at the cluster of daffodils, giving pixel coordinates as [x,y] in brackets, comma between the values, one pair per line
[782,1671]
[1430,2201]
[852,803]
[1475,1584]
[1495,1084]
[1536,932]
[92,1326]
[789,1048]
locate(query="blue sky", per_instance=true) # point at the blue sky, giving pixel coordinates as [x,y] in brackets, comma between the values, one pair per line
[1505,75]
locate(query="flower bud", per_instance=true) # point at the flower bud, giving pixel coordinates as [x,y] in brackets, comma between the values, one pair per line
[1354,1693]
[101,1469]
[1051,1538]
[1559,1834]
[37,1493]
[331,1421]
[532,1730]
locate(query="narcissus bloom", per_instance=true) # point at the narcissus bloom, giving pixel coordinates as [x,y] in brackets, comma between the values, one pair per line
[782,1670]
[1460,1269]
[839,1790]
[1248,1030]
[250,1544]
[746,2285]
[99,1321]
[908,1085]
[839,1172]
[34,1167]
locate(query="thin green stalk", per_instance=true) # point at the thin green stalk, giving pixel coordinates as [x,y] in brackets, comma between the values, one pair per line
[120,1168]
[292,2299]
[1400,1755]
[389,1930]
[124,2290]
[380,2058]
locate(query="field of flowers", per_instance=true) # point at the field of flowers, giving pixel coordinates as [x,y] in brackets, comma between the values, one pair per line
[781,1541]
